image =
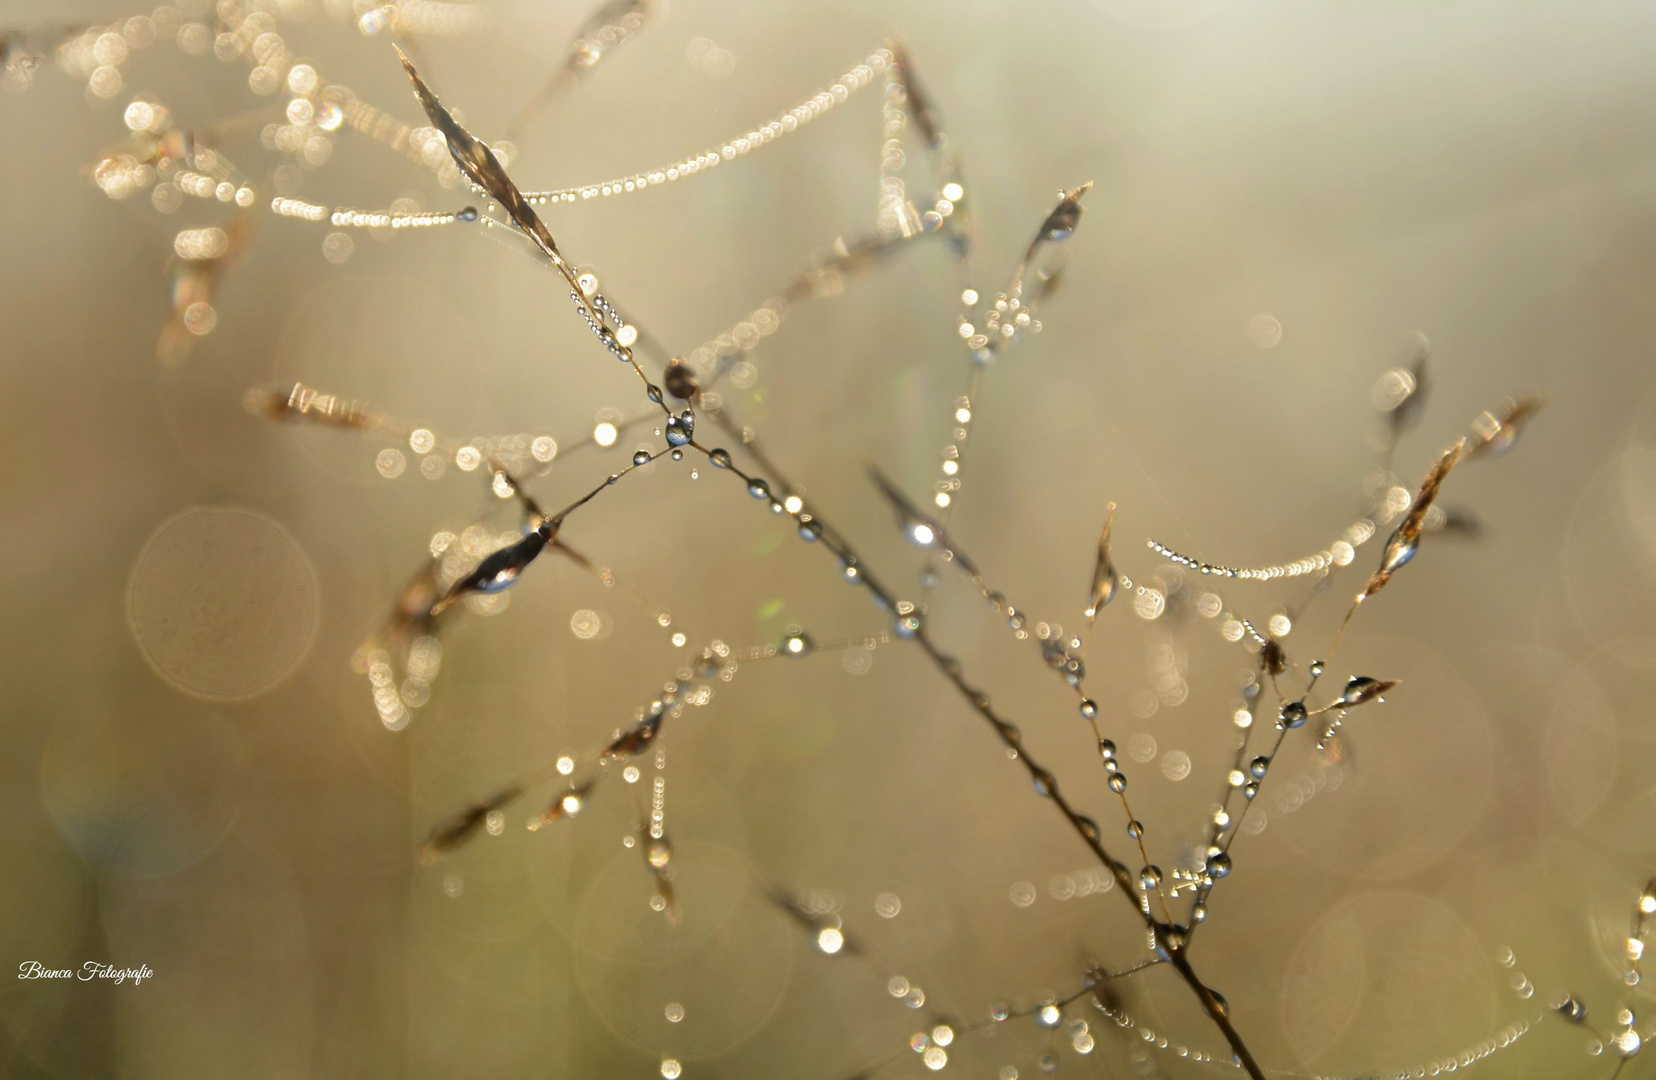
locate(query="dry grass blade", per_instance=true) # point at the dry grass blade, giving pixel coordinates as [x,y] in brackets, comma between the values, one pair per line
[918,103]
[481,166]
[308,404]
[1493,433]
[606,29]
[1361,689]
[1405,541]
[567,804]
[462,826]
[1105,579]
[1062,221]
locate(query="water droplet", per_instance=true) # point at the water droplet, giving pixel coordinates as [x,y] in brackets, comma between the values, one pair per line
[1259,766]
[1088,827]
[1219,865]
[653,392]
[641,457]
[468,214]
[1107,749]
[1089,709]
[1399,551]
[1149,878]
[1250,789]
[1049,1063]
[758,489]
[810,530]
[1220,1006]
[1570,1008]
[1198,913]
[1316,669]
[1045,784]
[795,642]
[720,458]
[680,429]
[1118,783]
[1135,829]
[907,626]
[1294,714]
[678,455]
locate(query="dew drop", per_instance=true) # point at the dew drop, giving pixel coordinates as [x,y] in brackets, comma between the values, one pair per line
[720,458]
[1294,714]
[1089,709]
[680,429]
[1219,865]
[1259,766]
[758,489]
[641,457]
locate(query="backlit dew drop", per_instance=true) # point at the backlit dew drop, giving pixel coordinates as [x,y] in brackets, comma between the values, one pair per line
[641,457]
[670,1068]
[1294,714]
[1570,1008]
[566,764]
[907,626]
[679,430]
[1049,1063]
[795,642]
[674,1012]
[1219,865]
[604,433]
[1316,669]
[935,1058]
[1048,1016]
[829,940]
[897,986]
[658,853]
[942,1035]
[922,534]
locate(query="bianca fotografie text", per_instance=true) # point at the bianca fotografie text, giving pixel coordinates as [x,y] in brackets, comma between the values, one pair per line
[34,969]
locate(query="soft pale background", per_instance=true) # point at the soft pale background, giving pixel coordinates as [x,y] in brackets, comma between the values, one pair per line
[1483,173]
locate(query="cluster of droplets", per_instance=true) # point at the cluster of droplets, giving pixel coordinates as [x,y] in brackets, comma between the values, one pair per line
[347,218]
[763,135]
[597,321]
[395,702]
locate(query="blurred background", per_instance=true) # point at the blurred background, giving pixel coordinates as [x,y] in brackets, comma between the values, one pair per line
[1290,200]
